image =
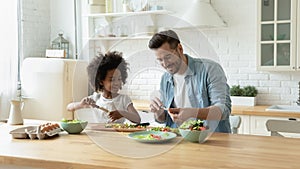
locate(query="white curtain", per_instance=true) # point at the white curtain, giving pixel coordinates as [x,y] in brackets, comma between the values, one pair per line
[8,54]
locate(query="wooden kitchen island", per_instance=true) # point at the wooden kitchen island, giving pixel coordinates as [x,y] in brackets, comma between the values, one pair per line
[81,152]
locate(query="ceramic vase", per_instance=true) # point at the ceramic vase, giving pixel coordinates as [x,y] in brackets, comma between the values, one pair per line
[15,114]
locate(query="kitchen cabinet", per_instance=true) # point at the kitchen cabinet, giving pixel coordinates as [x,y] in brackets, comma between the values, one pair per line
[254,118]
[256,125]
[278,35]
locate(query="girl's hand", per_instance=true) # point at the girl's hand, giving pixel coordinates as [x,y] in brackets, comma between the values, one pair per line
[84,103]
[114,115]
[88,102]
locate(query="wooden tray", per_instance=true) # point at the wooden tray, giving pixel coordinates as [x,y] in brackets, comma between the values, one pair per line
[101,127]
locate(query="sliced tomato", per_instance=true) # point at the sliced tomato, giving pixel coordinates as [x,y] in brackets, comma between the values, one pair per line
[202,128]
[157,137]
[165,129]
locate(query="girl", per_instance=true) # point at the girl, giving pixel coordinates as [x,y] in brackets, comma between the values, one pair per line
[107,73]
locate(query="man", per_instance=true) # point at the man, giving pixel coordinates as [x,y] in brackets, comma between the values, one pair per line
[191,87]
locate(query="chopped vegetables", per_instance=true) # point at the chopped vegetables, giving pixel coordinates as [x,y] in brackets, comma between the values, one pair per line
[123,126]
[160,129]
[150,136]
[165,129]
[146,137]
[71,121]
[193,125]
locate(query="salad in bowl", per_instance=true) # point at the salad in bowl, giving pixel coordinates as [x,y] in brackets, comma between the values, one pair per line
[194,130]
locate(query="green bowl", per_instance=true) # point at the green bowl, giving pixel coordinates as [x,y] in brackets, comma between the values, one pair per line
[194,135]
[74,127]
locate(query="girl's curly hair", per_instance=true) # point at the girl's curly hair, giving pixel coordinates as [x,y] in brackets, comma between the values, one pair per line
[101,64]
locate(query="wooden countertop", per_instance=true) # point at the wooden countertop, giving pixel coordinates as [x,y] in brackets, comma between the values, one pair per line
[143,105]
[261,111]
[81,152]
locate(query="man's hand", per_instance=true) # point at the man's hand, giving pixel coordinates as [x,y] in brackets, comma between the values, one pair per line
[156,106]
[179,115]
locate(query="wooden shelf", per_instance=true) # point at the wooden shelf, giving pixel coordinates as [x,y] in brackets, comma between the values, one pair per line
[122,14]
[121,38]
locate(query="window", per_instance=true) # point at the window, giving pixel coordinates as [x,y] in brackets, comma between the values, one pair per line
[8,54]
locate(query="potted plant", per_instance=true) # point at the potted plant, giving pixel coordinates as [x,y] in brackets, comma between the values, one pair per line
[245,96]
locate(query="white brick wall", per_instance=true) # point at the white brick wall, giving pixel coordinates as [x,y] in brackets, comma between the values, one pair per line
[36,27]
[235,47]
[273,87]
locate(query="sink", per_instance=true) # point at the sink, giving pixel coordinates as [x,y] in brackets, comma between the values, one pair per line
[284,108]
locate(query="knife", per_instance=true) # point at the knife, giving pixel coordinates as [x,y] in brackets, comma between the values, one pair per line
[142,124]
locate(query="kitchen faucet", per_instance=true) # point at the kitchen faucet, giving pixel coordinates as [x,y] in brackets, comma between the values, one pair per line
[298,101]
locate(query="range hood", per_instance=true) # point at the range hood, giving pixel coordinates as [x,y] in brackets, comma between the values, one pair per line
[200,15]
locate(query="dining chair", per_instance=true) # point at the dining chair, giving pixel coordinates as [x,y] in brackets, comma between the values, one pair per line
[235,122]
[284,126]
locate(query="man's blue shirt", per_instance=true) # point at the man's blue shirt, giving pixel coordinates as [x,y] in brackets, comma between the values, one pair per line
[207,86]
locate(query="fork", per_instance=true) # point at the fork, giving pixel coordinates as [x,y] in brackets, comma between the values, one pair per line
[101,108]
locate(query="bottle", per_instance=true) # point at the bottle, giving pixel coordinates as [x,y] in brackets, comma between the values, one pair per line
[125,6]
[115,6]
[99,31]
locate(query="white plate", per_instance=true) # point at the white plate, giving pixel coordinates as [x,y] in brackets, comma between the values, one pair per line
[137,5]
[139,136]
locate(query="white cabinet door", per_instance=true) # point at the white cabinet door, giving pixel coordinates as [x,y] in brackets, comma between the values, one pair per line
[245,124]
[258,125]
